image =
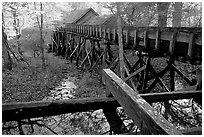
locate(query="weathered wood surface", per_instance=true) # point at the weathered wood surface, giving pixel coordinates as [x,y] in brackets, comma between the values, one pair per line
[175,95]
[142,114]
[192,131]
[17,111]
[183,33]
[33,108]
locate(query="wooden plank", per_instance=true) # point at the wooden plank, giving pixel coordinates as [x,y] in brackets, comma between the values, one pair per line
[136,72]
[190,46]
[104,32]
[86,57]
[114,34]
[78,45]
[166,35]
[172,43]
[192,131]
[127,37]
[100,31]
[174,95]
[135,38]
[157,41]
[120,42]
[142,114]
[49,108]
[25,110]
[109,34]
[146,39]
[128,73]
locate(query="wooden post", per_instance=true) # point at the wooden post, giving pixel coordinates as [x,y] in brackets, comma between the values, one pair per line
[190,46]
[143,115]
[100,31]
[172,43]
[109,34]
[104,32]
[146,40]
[121,52]
[157,41]
[127,37]
[93,52]
[114,35]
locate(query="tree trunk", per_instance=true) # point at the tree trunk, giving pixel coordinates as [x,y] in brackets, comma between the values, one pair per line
[17,28]
[41,36]
[177,14]
[162,9]
[7,61]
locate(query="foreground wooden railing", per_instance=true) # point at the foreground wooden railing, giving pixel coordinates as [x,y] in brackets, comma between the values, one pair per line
[137,108]
[25,110]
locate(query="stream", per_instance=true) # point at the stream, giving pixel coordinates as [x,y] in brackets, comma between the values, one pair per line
[79,123]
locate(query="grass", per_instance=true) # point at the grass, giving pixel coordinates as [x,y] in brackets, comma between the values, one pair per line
[24,84]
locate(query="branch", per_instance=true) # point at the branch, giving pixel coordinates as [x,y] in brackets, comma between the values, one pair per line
[39,124]
[37,16]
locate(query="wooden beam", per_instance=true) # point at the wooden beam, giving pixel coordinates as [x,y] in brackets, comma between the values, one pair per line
[192,131]
[142,114]
[136,72]
[165,96]
[25,110]
[16,111]
[120,41]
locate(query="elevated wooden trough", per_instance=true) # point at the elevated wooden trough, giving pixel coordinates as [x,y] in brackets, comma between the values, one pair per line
[184,44]
[173,44]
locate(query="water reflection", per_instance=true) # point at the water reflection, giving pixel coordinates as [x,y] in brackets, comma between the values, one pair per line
[93,122]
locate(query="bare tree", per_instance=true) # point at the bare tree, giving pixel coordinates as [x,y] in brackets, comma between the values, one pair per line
[7,61]
[177,14]
[162,9]
[40,25]
[14,6]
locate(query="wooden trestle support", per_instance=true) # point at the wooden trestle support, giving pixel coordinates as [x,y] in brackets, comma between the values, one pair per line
[91,46]
[172,44]
[183,44]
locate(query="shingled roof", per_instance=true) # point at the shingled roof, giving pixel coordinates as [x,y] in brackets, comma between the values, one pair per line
[98,20]
[74,16]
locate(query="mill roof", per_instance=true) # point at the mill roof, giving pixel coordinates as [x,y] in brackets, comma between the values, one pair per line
[74,16]
[98,20]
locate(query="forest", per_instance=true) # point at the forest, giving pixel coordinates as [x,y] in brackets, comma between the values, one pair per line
[31,73]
